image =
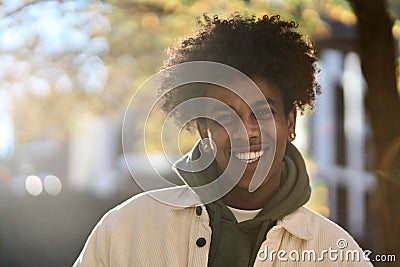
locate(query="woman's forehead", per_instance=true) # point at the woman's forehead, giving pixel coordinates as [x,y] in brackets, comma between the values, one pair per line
[230,96]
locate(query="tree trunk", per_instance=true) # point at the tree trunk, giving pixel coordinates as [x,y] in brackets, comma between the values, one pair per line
[378,62]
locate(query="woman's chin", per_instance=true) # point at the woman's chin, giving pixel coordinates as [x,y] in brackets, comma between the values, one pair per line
[244,183]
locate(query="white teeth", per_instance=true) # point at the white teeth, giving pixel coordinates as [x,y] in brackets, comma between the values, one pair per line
[252,155]
[249,156]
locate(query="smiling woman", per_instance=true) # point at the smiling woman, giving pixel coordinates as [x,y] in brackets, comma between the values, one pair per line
[248,135]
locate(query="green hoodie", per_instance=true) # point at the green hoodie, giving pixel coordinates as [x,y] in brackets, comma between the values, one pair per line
[237,244]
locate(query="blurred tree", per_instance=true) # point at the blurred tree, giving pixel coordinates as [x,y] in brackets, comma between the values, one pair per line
[51,66]
[378,59]
[68,57]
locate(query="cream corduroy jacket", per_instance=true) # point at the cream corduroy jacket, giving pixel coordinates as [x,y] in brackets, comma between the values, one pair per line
[144,231]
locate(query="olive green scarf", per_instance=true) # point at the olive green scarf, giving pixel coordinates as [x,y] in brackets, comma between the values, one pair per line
[237,244]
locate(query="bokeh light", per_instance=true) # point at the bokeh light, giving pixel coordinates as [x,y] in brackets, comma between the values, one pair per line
[52,185]
[33,185]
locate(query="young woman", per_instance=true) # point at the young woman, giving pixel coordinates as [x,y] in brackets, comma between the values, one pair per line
[259,218]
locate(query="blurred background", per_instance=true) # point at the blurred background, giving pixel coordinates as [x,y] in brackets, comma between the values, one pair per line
[69,68]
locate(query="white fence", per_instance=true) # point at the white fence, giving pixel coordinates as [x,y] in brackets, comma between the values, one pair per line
[343,70]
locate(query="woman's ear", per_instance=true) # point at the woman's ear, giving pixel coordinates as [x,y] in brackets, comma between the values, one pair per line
[291,124]
[202,127]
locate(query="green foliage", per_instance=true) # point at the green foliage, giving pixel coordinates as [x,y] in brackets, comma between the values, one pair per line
[135,34]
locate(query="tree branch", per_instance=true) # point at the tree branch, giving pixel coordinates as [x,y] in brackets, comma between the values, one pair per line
[27,4]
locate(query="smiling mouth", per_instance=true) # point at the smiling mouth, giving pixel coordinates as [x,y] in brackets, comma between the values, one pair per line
[249,157]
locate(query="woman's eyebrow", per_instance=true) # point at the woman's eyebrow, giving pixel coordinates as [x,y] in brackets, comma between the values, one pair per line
[221,108]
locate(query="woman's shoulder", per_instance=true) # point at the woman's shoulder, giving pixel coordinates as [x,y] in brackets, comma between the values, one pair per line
[310,223]
[153,203]
[315,228]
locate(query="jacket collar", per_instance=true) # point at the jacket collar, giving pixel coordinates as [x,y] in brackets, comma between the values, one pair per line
[297,223]
[178,197]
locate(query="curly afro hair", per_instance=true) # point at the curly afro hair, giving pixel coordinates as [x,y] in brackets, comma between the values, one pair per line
[268,47]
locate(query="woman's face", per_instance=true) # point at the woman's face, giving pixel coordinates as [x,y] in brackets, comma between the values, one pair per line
[248,146]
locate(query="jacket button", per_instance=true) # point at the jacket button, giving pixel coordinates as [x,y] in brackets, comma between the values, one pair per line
[201,242]
[198,210]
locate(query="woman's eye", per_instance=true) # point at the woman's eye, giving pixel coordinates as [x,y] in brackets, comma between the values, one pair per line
[264,112]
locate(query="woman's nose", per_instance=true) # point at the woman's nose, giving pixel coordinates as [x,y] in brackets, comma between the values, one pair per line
[250,128]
